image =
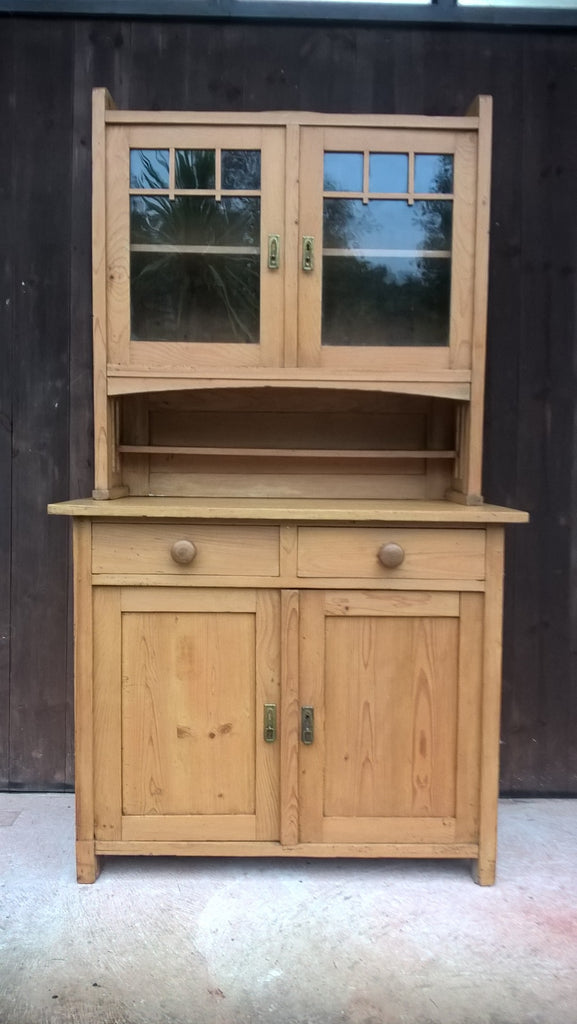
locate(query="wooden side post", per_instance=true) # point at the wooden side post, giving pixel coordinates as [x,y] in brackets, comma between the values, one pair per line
[107,483]
[87,863]
[467,488]
[484,868]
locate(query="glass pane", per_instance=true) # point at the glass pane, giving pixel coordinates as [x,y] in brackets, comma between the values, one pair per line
[195,297]
[392,301]
[343,172]
[388,172]
[188,220]
[433,173]
[194,168]
[149,168]
[387,224]
[240,168]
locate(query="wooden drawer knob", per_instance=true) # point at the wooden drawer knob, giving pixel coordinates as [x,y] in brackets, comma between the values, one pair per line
[183,552]
[391,555]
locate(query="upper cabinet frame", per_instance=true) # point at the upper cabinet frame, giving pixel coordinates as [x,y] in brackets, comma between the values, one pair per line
[300,260]
[140,226]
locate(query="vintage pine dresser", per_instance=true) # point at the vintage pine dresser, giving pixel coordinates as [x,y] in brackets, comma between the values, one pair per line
[288,588]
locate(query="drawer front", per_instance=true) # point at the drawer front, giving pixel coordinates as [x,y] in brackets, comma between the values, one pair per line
[213,550]
[424,554]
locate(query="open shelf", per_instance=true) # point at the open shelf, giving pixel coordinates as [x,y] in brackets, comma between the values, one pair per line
[283,453]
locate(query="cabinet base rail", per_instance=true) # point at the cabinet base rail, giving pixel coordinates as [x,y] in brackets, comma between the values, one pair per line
[166,848]
[89,853]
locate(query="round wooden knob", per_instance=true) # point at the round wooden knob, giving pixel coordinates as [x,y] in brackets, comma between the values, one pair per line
[183,552]
[391,555]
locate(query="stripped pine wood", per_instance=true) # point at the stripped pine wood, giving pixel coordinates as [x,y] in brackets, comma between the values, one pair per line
[388,511]
[104,438]
[176,117]
[416,850]
[438,554]
[485,867]
[292,636]
[253,480]
[268,691]
[386,677]
[107,701]
[290,582]
[189,714]
[86,862]
[463,251]
[125,381]
[469,716]
[219,549]
[289,719]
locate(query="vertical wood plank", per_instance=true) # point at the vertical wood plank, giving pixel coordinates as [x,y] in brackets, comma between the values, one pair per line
[7,234]
[289,721]
[40,250]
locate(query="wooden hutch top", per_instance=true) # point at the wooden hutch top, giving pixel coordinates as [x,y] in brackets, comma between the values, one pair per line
[289,314]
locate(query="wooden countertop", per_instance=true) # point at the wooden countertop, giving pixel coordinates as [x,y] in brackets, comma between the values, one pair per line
[304,509]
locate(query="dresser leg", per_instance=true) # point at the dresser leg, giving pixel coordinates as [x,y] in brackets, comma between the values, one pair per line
[87,863]
[484,871]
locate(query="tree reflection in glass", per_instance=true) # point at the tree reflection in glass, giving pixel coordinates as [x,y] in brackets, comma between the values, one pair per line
[195,260]
[387,266]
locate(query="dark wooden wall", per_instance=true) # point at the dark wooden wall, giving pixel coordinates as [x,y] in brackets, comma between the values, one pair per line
[47,70]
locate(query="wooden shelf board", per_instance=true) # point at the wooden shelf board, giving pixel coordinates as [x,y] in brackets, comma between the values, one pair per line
[283,453]
[301,509]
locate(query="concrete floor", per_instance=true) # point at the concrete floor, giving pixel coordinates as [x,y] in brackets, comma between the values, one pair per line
[300,942]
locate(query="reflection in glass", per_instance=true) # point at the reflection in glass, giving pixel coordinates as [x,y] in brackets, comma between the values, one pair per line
[388,172]
[194,168]
[191,220]
[192,297]
[343,172]
[149,168]
[434,172]
[387,224]
[240,168]
[392,301]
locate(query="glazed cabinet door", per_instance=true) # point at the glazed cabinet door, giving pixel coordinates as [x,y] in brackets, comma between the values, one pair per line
[387,223]
[181,679]
[394,682]
[195,236]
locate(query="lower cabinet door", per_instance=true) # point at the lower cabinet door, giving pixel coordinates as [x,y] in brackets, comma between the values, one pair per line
[394,681]
[181,678]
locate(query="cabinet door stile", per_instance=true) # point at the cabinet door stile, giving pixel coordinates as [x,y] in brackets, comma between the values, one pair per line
[468,730]
[83,681]
[268,664]
[312,694]
[311,225]
[289,718]
[107,713]
[273,199]
[463,262]
[118,247]
[290,250]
